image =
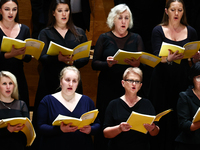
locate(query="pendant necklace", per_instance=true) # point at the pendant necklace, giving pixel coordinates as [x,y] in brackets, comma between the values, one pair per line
[5,105]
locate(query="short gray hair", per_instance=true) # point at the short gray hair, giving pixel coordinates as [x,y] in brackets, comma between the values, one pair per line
[134,70]
[118,9]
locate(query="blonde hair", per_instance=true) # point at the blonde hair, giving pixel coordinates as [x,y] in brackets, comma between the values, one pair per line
[8,74]
[134,70]
[117,10]
[69,68]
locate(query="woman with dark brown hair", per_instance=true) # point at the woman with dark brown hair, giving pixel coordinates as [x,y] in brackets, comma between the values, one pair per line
[10,27]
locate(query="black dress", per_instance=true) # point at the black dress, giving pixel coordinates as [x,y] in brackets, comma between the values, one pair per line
[10,141]
[166,84]
[118,111]
[15,65]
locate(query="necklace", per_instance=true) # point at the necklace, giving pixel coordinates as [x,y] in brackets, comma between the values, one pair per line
[5,105]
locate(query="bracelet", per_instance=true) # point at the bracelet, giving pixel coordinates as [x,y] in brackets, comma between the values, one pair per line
[168,62]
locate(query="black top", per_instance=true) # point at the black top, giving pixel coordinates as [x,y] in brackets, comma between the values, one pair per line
[188,104]
[169,78]
[10,141]
[15,65]
[118,111]
[109,80]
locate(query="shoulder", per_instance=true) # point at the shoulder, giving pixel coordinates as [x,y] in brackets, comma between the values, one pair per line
[135,36]
[46,30]
[115,102]
[79,30]
[86,98]
[47,98]
[157,28]
[25,27]
[146,101]
[187,93]
[192,33]
[21,102]
[105,36]
[191,29]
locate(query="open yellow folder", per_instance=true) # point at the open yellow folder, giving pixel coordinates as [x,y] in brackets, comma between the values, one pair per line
[137,120]
[28,129]
[33,47]
[86,119]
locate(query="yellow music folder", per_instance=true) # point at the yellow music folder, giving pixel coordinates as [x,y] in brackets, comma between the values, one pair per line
[28,128]
[196,117]
[137,120]
[80,51]
[146,58]
[86,119]
[33,47]
[189,49]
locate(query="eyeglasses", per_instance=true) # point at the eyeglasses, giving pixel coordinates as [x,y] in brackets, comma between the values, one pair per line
[132,81]
[198,79]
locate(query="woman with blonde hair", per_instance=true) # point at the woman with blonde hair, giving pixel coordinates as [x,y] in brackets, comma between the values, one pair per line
[69,103]
[11,137]
[118,111]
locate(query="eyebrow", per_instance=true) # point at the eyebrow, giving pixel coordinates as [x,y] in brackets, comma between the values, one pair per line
[9,7]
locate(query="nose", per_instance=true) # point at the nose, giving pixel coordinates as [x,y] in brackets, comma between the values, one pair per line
[70,83]
[123,20]
[7,86]
[134,83]
[64,13]
[176,12]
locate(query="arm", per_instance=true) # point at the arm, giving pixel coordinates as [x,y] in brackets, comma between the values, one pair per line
[195,126]
[27,58]
[44,126]
[98,63]
[184,113]
[111,132]
[24,109]
[83,61]
[156,40]
[93,128]
[153,129]
[44,58]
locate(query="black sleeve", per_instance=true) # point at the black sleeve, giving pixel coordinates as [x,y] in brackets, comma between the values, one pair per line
[83,61]
[97,62]
[156,40]
[27,58]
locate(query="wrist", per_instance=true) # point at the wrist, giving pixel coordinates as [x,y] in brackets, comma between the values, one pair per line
[168,62]
[120,128]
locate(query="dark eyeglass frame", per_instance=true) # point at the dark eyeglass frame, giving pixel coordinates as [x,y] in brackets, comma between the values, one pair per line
[132,81]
